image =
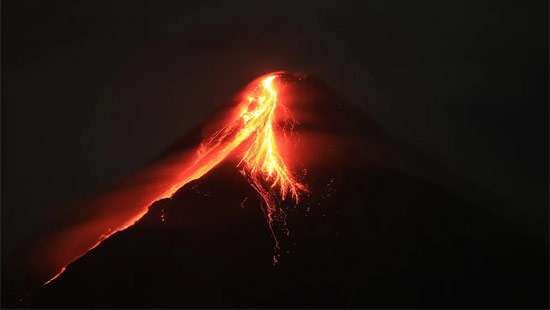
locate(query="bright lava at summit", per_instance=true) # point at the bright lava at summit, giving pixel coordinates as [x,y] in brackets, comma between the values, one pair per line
[262,163]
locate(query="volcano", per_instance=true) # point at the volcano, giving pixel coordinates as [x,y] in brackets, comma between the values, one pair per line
[323,215]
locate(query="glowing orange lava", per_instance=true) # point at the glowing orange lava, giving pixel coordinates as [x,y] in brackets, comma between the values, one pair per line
[261,163]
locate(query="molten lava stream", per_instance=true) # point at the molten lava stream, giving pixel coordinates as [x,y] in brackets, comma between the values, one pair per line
[262,163]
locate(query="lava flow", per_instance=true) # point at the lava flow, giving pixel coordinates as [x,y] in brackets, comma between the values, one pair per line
[262,163]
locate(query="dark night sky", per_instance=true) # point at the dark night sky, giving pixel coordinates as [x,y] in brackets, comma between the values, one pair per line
[92,91]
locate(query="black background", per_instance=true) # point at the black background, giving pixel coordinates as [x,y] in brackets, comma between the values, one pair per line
[93,90]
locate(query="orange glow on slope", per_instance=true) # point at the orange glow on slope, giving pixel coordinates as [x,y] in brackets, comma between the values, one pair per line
[261,163]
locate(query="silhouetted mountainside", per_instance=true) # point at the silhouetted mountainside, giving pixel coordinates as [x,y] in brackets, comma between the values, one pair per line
[366,235]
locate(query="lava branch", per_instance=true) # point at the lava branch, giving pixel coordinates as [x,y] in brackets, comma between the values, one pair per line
[262,163]
[263,156]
